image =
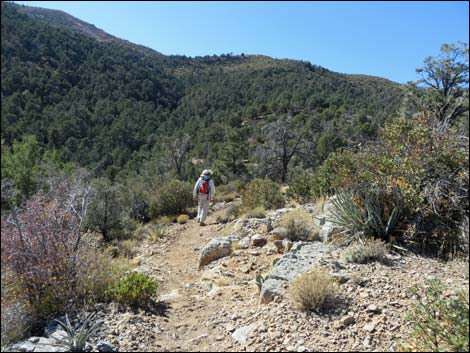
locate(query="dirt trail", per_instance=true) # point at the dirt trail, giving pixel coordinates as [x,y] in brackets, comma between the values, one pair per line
[186,324]
[199,309]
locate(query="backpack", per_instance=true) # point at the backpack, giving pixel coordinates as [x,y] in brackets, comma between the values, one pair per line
[203,187]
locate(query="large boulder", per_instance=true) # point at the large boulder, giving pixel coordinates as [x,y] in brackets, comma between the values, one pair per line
[300,259]
[217,248]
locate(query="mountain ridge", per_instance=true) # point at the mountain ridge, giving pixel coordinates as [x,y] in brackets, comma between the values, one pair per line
[93,100]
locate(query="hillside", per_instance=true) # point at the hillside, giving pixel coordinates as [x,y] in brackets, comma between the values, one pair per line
[100,100]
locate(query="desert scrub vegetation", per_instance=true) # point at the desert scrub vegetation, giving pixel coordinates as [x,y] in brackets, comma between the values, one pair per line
[313,290]
[439,319]
[49,264]
[417,168]
[257,212]
[301,186]
[262,193]
[364,251]
[299,225]
[109,211]
[171,198]
[135,289]
[182,219]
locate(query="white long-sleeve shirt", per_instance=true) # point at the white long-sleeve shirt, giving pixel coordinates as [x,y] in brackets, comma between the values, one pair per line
[211,188]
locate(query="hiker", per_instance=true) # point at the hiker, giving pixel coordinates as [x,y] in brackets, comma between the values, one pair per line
[203,192]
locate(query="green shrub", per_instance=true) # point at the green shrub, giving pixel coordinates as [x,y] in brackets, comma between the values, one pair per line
[429,168]
[313,290]
[172,198]
[337,172]
[362,252]
[257,212]
[109,211]
[101,274]
[182,218]
[262,193]
[301,187]
[135,289]
[439,322]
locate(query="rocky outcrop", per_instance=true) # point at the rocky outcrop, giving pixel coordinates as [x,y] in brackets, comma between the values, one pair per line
[300,259]
[217,248]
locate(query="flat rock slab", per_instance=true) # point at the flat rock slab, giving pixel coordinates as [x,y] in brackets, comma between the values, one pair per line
[39,344]
[300,259]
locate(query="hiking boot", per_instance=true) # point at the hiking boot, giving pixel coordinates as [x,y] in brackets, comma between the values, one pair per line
[202,224]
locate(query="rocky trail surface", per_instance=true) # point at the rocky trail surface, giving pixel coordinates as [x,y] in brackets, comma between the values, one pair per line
[217,308]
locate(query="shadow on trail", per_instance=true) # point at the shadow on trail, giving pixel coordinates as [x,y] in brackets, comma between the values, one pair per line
[157,308]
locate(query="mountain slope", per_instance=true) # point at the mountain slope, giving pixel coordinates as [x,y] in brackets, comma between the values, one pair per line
[62,19]
[100,100]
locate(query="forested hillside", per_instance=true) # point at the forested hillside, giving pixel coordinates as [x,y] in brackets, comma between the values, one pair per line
[108,104]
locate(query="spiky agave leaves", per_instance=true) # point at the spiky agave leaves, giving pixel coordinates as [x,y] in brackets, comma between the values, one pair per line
[77,336]
[373,212]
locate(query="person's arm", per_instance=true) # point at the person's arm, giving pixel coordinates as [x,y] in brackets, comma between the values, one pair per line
[195,190]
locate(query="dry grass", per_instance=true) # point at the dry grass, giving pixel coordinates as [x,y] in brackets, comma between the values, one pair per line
[127,248]
[182,219]
[357,279]
[227,197]
[300,226]
[258,212]
[235,245]
[365,251]
[221,282]
[313,290]
[165,220]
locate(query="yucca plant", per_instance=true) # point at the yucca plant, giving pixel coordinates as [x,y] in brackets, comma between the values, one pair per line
[77,336]
[380,220]
[346,213]
[374,212]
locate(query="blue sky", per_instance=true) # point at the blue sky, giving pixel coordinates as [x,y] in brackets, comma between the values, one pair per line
[387,39]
